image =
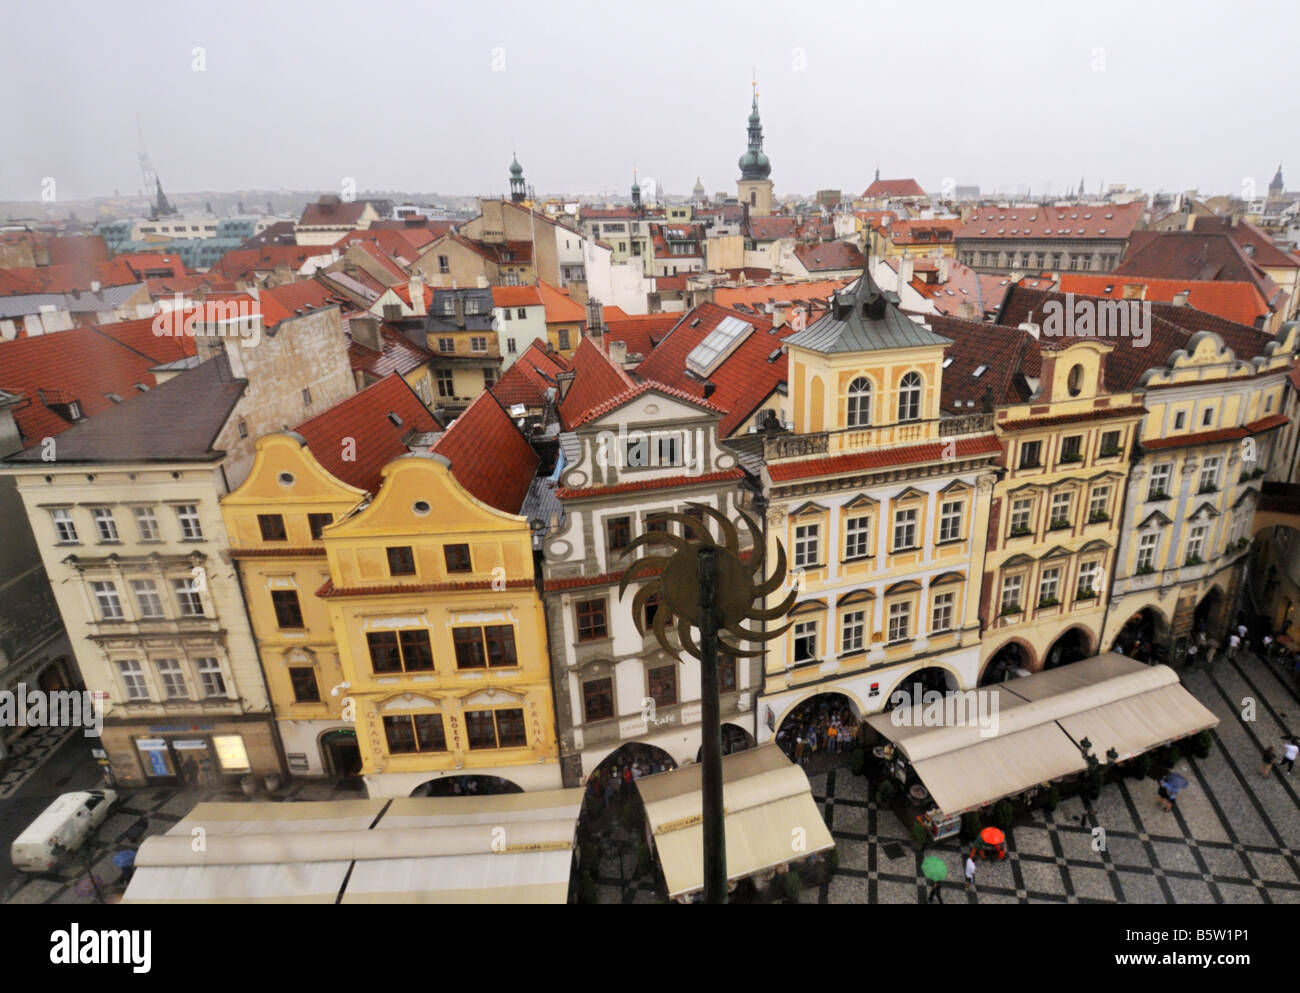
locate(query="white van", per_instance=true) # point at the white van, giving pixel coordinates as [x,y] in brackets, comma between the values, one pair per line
[60,829]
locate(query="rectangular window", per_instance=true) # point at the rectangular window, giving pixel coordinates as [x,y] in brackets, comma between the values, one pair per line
[187,596]
[104,524]
[564,340]
[1020,511]
[306,397]
[950,521]
[188,516]
[147,598]
[415,733]
[1072,448]
[1160,475]
[400,735]
[857,538]
[272,527]
[904,530]
[521,313]
[591,620]
[1148,546]
[1210,474]
[288,612]
[110,607]
[1087,580]
[618,533]
[1109,444]
[401,561]
[855,626]
[1030,454]
[446,383]
[384,653]
[942,619]
[663,685]
[305,687]
[805,641]
[447,345]
[133,680]
[510,728]
[1196,542]
[417,651]
[481,728]
[318,523]
[598,700]
[1061,504]
[1098,504]
[806,545]
[726,673]
[444,264]
[900,621]
[478,344]
[212,682]
[147,523]
[1011,589]
[63,526]
[1049,587]
[510,346]
[500,640]
[456,558]
[1180,420]
[173,679]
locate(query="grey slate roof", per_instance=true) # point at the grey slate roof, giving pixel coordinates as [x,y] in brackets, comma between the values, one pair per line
[105,298]
[864,318]
[177,421]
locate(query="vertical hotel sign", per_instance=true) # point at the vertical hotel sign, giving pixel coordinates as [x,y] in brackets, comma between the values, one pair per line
[535,720]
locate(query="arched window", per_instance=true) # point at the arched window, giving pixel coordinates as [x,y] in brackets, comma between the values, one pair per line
[909,397]
[859,403]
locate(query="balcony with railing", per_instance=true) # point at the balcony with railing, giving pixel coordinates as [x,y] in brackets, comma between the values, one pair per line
[844,441]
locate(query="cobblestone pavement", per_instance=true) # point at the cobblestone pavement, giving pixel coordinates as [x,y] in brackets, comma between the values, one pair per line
[32,751]
[1233,836]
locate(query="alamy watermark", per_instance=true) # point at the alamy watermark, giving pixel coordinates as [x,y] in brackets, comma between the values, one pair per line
[25,708]
[1091,318]
[239,318]
[637,448]
[933,709]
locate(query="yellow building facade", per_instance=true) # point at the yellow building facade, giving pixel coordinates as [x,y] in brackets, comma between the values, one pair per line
[442,637]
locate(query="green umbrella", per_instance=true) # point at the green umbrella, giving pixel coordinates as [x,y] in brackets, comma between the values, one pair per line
[934,868]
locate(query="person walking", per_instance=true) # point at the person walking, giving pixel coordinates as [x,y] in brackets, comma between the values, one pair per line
[1290,752]
[832,739]
[935,895]
[799,749]
[1269,757]
[970,872]
[1234,642]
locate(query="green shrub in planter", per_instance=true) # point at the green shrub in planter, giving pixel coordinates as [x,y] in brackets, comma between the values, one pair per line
[971,823]
[793,884]
[919,835]
[857,761]
[1204,742]
[886,792]
[1004,813]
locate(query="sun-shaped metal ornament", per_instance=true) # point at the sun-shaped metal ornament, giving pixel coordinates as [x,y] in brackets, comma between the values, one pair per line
[738,585]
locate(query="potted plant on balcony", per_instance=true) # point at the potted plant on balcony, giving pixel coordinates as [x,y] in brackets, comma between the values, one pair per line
[1087,594]
[1059,524]
[1193,560]
[1019,531]
[1208,488]
[1011,608]
[1158,495]
[1098,518]
[1048,601]
[1145,569]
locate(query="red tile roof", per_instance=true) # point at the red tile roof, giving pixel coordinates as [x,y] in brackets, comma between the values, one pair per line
[807,292]
[278,303]
[1219,434]
[597,380]
[331,211]
[392,266]
[782,472]
[71,278]
[154,262]
[139,336]
[71,249]
[399,355]
[81,363]
[1079,221]
[916,232]
[242,263]
[1254,242]
[772,228]
[516,296]
[894,188]
[641,332]
[391,243]
[1240,302]
[364,417]
[745,379]
[529,377]
[829,255]
[1194,255]
[488,455]
[614,402]
[560,307]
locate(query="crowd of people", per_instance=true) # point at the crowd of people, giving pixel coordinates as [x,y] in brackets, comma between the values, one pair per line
[819,726]
[617,782]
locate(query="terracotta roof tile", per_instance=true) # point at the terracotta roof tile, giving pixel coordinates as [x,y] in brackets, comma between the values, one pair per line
[488,455]
[1077,221]
[829,255]
[1240,302]
[894,188]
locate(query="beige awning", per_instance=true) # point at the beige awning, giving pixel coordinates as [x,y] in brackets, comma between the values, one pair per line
[515,848]
[771,818]
[971,760]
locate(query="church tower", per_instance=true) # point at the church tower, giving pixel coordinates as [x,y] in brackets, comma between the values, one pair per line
[754,188]
[518,193]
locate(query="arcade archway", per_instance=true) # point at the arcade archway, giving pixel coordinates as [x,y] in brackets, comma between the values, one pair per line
[466,786]
[1073,646]
[1007,662]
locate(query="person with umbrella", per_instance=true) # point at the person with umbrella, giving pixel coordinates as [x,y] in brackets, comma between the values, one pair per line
[1169,788]
[934,869]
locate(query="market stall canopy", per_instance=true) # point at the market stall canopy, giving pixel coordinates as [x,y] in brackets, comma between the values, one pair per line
[513,848]
[768,805]
[971,759]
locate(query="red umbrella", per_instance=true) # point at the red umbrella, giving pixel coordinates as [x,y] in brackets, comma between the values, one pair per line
[992,836]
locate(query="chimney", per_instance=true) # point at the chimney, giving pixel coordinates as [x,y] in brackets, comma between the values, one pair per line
[618,352]
[1029,325]
[365,331]
[944,264]
[1135,291]
[416,287]
[904,272]
[1180,298]
[780,310]
[709,388]
[459,306]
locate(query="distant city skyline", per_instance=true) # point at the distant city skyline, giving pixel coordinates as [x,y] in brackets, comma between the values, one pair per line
[583,96]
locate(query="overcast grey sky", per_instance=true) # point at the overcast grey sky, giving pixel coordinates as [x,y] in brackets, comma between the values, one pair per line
[432,96]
